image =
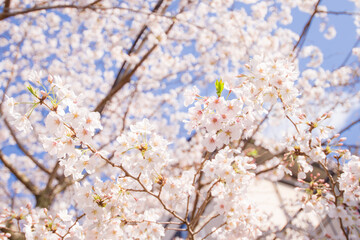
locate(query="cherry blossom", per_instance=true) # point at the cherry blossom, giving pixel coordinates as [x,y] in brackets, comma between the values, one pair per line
[97,97]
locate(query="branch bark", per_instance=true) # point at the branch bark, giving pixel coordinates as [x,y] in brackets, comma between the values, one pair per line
[15,235]
[126,79]
[349,126]
[7,6]
[20,176]
[23,149]
[8,14]
[118,77]
[306,28]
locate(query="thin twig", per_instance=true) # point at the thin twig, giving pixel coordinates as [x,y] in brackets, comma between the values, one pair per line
[206,223]
[339,13]
[349,126]
[350,53]
[23,149]
[69,229]
[207,235]
[306,27]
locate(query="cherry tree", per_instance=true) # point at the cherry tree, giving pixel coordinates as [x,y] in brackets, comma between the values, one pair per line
[153,119]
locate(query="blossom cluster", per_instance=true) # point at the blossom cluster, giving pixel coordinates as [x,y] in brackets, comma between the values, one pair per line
[143,152]
[130,61]
[268,82]
[220,118]
[231,176]
[121,204]
[225,121]
[69,125]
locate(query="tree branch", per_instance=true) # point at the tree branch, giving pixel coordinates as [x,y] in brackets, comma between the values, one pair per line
[15,235]
[349,126]
[127,77]
[350,53]
[289,222]
[8,14]
[52,175]
[23,149]
[6,6]
[339,13]
[20,176]
[118,77]
[306,28]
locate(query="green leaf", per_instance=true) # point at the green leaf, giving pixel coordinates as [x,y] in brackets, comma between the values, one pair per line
[219,84]
[252,153]
[32,90]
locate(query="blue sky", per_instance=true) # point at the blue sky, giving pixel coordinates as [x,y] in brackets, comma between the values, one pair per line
[335,50]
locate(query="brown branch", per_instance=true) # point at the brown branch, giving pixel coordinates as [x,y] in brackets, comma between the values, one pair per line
[203,206]
[196,199]
[339,13]
[20,176]
[7,6]
[333,185]
[175,229]
[349,126]
[15,235]
[12,132]
[289,222]
[132,97]
[214,230]
[206,223]
[137,179]
[5,15]
[306,28]
[118,77]
[23,149]
[343,229]
[12,72]
[52,175]
[267,170]
[63,185]
[69,229]
[124,80]
[257,128]
[350,53]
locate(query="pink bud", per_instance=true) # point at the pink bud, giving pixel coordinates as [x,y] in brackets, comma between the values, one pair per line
[43,93]
[302,116]
[50,79]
